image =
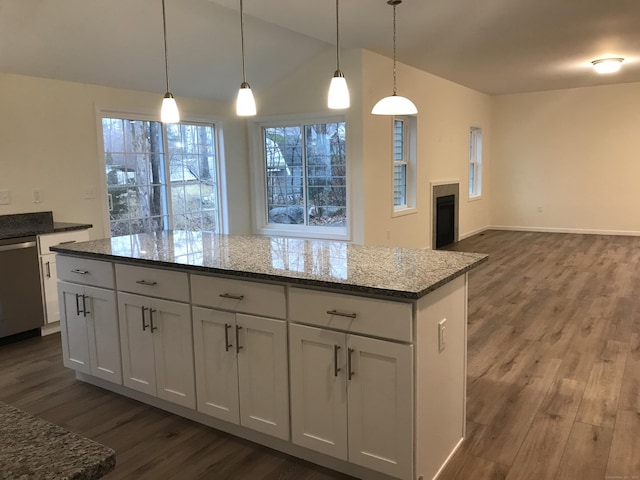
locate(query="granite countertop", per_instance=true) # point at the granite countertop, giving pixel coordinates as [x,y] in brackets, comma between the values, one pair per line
[30,224]
[394,272]
[33,449]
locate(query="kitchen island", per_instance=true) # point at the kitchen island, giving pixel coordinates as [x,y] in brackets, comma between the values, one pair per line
[350,356]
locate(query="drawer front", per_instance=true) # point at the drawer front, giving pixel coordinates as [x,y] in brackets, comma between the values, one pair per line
[239,296]
[368,316]
[153,282]
[85,271]
[52,239]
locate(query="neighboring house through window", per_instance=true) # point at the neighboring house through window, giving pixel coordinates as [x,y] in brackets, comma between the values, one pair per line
[475,162]
[160,177]
[404,164]
[301,174]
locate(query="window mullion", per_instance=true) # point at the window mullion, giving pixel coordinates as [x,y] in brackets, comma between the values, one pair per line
[305,189]
[167,177]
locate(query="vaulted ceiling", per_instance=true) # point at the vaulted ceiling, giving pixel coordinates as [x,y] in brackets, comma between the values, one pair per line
[494,46]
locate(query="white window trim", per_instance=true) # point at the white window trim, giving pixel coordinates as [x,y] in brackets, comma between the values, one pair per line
[145,114]
[258,179]
[410,133]
[477,150]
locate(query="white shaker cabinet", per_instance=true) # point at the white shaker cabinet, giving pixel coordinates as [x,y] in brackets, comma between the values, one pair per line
[157,348]
[351,398]
[241,369]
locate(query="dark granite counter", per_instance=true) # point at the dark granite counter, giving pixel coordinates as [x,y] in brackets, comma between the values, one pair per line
[33,449]
[21,225]
[393,272]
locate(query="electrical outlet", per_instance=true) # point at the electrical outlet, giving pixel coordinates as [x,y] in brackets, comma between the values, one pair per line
[89,192]
[442,335]
[540,209]
[5,197]
[37,195]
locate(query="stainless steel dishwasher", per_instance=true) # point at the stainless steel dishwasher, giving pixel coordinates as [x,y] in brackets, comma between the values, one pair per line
[20,298]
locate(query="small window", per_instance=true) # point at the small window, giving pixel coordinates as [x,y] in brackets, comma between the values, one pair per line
[475,162]
[404,155]
[304,179]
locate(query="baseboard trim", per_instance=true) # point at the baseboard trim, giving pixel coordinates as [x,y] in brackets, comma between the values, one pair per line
[582,231]
[474,232]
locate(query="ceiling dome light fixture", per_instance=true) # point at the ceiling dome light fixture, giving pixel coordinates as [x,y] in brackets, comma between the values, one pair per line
[245,103]
[338,90]
[169,112]
[607,65]
[395,104]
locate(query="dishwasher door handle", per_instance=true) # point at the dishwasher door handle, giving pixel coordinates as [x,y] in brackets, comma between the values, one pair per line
[17,246]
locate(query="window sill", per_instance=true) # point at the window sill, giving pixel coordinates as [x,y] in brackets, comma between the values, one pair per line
[401,212]
[317,233]
[475,198]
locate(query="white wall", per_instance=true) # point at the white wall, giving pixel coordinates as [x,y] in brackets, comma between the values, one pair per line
[48,140]
[572,154]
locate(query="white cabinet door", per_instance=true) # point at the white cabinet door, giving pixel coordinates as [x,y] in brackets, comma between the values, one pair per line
[216,365]
[380,405]
[170,326]
[50,288]
[136,341]
[318,389]
[74,328]
[262,374]
[103,334]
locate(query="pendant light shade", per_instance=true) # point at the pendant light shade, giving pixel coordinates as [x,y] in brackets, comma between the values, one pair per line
[169,112]
[394,104]
[245,103]
[338,90]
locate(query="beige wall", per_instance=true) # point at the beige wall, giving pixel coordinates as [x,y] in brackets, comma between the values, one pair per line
[573,154]
[446,111]
[48,140]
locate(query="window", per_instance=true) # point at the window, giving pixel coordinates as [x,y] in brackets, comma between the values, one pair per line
[404,155]
[475,162]
[160,177]
[303,179]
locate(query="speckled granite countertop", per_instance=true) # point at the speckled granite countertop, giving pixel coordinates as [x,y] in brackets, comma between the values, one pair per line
[393,272]
[22,225]
[33,449]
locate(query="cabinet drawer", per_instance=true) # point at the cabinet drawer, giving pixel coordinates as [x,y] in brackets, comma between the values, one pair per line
[153,282]
[83,270]
[369,316]
[51,239]
[239,295]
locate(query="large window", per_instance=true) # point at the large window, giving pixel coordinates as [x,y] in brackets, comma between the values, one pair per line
[475,162]
[160,177]
[404,160]
[303,178]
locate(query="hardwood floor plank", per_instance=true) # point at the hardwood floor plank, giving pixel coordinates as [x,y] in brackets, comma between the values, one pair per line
[624,459]
[586,453]
[630,390]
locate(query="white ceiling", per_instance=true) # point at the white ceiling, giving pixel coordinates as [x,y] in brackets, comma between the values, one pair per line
[494,46]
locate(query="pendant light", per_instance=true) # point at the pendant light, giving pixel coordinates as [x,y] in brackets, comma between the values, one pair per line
[338,90]
[169,112]
[245,103]
[395,104]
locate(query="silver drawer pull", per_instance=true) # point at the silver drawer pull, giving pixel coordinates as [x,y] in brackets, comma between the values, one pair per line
[80,272]
[342,314]
[232,297]
[67,242]
[148,284]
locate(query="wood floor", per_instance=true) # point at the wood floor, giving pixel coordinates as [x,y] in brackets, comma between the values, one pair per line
[553,378]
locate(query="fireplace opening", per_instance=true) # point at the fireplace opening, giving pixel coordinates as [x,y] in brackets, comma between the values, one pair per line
[445,220]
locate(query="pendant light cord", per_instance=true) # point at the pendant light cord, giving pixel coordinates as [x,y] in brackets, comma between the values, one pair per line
[244,75]
[394,3]
[337,36]
[164,30]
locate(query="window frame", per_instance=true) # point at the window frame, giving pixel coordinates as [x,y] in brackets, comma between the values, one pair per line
[261,225]
[410,155]
[153,116]
[475,162]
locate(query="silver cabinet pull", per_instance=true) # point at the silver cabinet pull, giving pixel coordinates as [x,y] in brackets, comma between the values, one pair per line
[84,305]
[232,297]
[342,314]
[238,346]
[144,325]
[350,371]
[78,312]
[148,284]
[48,265]
[153,327]
[80,272]
[335,360]
[67,242]
[227,345]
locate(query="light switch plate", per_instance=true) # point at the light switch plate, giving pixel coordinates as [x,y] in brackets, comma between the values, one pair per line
[5,197]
